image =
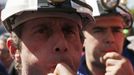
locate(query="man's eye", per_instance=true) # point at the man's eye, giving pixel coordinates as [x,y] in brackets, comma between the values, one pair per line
[117,30]
[41,30]
[98,30]
[68,30]
[45,31]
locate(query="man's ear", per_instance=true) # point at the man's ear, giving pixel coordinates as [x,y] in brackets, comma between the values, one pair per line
[14,52]
[12,49]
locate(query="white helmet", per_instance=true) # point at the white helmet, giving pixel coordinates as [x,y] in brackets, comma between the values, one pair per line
[17,7]
[107,7]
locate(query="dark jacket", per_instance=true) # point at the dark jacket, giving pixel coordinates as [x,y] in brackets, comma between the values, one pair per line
[83,70]
[128,53]
[3,70]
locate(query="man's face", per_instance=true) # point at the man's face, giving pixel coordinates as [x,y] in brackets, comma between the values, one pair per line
[4,54]
[48,41]
[105,36]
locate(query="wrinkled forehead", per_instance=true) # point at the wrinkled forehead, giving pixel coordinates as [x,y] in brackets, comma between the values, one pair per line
[110,21]
[112,17]
[27,16]
[50,22]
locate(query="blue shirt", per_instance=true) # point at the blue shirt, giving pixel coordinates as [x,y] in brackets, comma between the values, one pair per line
[83,70]
[3,70]
[128,53]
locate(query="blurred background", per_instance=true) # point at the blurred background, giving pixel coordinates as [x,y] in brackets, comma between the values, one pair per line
[2,4]
[128,3]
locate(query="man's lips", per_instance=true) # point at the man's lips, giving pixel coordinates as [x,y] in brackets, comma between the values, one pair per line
[52,67]
[110,50]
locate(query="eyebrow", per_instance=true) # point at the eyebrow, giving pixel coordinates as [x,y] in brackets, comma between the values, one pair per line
[99,28]
[71,25]
[113,27]
[117,27]
[44,24]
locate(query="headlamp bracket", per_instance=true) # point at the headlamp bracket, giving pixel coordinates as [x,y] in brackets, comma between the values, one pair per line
[109,4]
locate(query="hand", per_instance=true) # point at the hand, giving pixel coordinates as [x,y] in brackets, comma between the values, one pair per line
[62,69]
[117,64]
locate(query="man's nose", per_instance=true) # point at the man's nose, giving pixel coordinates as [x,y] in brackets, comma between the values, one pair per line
[61,45]
[110,37]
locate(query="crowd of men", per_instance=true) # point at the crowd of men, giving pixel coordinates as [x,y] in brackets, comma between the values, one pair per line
[62,37]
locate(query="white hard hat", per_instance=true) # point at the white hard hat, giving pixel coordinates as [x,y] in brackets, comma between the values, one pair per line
[108,7]
[17,7]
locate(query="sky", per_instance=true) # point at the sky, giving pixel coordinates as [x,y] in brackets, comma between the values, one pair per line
[130,4]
